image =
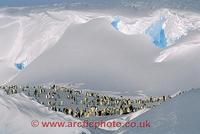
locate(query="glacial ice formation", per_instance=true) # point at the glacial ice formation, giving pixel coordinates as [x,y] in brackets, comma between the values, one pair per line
[157,33]
[115,23]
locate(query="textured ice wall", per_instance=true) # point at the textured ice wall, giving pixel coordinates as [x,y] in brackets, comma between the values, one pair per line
[157,33]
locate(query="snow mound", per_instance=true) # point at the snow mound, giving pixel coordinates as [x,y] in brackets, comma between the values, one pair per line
[28,35]
[18,111]
[128,63]
[176,116]
[166,27]
[181,50]
[25,36]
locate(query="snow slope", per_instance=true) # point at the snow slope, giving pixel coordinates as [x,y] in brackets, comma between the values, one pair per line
[28,32]
[105,59]
[25,36]
[180,50]
[18,111]
[177,116]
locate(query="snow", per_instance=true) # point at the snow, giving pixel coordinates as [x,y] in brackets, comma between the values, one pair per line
[177,116]
[153,50]
[173,116]
[122,63]
[124,119]
[185,47]
[27,33]
[164,26]
[17,112]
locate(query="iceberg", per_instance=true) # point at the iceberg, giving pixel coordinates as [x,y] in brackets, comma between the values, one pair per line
[157,33]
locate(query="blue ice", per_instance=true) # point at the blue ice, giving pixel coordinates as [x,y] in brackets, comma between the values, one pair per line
[20,66]
[115,23]
[157,33]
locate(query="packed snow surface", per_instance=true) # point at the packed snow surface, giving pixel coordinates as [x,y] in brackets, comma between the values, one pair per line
[18,111]
[177,116]
[173,116]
